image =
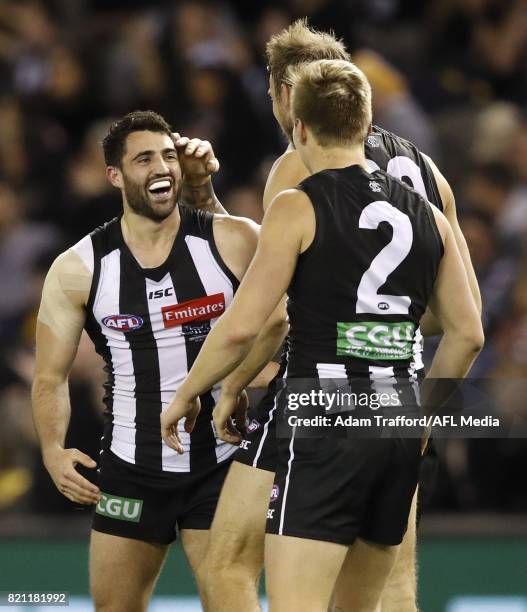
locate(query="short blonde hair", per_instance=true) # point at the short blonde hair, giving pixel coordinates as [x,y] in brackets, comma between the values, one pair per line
[333,99]
[298,44]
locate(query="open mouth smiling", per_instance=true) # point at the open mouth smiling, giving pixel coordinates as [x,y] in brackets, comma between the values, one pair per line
[160,188]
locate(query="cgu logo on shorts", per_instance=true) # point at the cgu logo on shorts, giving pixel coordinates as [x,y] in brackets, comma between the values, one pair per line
[201,309]
[121,508]
[123,322]
[275,493]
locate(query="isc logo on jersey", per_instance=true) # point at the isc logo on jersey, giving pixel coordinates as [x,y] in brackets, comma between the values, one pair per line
[123,322]
[201,309]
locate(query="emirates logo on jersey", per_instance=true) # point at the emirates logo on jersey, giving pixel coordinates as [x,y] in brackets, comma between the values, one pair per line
[201,309]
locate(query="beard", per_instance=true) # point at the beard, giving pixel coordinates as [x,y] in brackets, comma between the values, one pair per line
[140,201]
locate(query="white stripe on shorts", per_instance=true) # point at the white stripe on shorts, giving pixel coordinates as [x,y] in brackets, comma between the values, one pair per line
[289,467]
[264,435]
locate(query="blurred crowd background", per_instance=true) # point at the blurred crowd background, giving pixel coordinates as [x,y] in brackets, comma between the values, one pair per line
[450,75]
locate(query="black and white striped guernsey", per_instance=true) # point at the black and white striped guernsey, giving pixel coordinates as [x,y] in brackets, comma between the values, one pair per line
[149,325]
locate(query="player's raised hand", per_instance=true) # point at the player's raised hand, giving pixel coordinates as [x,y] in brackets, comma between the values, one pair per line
[196,158]
[60,464]
[180,408]
[229,416]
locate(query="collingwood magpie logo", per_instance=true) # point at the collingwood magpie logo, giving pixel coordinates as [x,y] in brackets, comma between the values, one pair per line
[374,186]
[373,142]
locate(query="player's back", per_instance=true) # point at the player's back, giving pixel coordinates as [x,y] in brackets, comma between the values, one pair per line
[362,286]
[403,160]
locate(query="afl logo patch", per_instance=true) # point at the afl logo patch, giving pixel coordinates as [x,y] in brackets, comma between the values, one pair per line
[275,493]
[383,306]
[123,322]
[253,426]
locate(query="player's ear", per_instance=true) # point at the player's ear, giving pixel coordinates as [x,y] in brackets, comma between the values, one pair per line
[115,176]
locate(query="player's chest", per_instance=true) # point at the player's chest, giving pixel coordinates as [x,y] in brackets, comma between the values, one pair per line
[142,307]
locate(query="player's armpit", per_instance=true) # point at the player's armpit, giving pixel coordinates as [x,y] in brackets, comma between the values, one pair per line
[449,209]
[286,173]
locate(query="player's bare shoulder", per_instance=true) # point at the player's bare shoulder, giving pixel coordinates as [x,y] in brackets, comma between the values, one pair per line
[236,239]
[74,269]
[67,288]
[287,171]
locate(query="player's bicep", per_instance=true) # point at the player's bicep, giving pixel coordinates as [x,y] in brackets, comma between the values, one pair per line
[273,266]
[61,320]
[236,239]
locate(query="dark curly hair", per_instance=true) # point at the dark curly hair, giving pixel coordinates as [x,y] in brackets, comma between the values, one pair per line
[114,143]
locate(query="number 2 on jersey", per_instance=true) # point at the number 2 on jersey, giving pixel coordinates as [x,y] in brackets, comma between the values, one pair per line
[391,256]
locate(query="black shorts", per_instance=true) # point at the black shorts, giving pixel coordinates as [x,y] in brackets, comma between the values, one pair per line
[336,490]
[153,509]
[258,448]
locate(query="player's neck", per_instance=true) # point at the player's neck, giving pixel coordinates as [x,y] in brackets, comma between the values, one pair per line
[324,158]
[150,241]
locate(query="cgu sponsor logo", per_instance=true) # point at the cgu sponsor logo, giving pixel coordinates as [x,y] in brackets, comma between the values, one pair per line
[201,309]
[123,322]
[121,508]
[376,340]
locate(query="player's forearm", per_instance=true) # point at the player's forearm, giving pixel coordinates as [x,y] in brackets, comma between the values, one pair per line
[455,355]
[267,344]
[453,360]
[222,352]
[200,195]
[51,412]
